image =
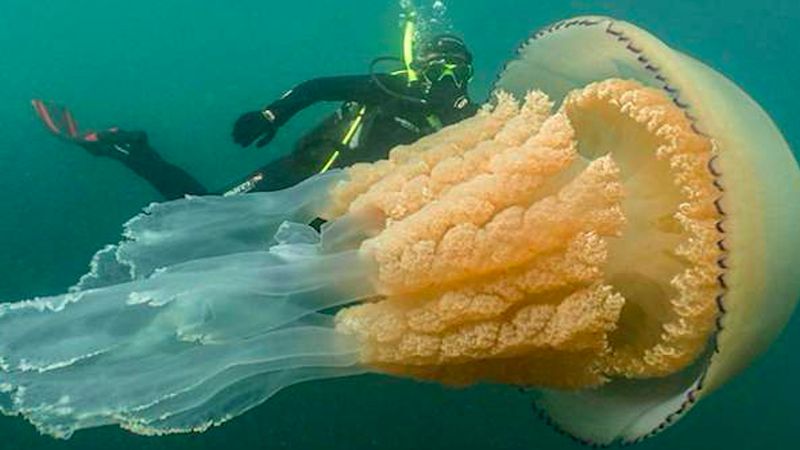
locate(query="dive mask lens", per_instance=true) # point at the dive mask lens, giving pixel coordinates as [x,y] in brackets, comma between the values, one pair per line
[440,69]
[463,73]
[434,71]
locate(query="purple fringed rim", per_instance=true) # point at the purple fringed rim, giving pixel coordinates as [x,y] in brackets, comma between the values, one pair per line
[674,93]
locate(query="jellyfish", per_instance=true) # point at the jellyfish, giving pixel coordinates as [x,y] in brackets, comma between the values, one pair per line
[614,232]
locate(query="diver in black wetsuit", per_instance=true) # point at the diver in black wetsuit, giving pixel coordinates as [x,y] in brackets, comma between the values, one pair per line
[380,111]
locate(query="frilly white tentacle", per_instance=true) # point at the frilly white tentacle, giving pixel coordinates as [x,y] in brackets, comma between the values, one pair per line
[209,307]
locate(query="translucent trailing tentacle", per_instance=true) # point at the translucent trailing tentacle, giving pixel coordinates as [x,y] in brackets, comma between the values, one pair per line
[171,332]
[170,233]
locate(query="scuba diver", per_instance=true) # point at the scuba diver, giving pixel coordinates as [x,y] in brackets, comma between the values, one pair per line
[379,112]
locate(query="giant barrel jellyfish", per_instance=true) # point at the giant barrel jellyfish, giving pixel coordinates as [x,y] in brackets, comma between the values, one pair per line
[617,230]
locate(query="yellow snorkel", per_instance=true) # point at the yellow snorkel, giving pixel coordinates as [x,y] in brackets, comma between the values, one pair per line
[408,60]
[408,45]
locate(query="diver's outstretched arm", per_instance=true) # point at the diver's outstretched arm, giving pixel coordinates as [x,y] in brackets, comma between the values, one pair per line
[262,125]
[131,148]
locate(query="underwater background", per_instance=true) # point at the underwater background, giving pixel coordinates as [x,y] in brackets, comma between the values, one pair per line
[185,69]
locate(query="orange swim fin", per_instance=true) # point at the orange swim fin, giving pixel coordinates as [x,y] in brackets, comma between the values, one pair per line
[60,122]
[57,119]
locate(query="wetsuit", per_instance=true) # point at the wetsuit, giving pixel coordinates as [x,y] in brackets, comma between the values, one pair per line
[382,121]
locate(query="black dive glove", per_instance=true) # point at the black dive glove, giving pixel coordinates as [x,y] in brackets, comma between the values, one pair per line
[255,125]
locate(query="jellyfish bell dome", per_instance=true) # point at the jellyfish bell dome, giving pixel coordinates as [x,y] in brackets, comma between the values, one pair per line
[757,185]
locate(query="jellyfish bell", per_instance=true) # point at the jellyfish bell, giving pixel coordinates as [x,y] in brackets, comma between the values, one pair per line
[758,183]
[599,235]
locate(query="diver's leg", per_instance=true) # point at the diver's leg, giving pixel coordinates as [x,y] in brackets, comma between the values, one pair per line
[129,147]
[132,149]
